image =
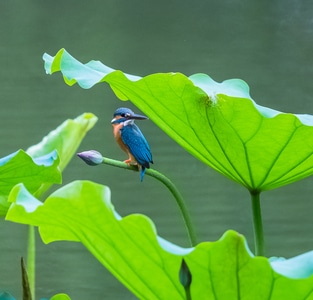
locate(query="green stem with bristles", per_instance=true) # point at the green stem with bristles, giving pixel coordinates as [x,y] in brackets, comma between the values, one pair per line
[171,187]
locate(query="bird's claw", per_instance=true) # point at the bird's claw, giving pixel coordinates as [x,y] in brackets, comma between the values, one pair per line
[130,162]
[127,161]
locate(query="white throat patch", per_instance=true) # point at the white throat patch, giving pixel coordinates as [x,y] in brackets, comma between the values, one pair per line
[128,122]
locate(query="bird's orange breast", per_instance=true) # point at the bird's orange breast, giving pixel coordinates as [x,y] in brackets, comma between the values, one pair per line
[117,135]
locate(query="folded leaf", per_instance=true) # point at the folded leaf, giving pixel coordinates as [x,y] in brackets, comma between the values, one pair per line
[41,165]
[218,123]
[65,139]
[145,263]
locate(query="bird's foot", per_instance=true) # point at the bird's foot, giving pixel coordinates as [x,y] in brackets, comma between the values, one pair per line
[127,161]
[130,162]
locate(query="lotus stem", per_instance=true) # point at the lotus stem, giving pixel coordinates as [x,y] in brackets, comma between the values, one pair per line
[171,187]
[257,223]
[27,295]
[31,259]
[92,158]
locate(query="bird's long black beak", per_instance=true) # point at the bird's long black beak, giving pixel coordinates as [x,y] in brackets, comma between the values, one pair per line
[137,117]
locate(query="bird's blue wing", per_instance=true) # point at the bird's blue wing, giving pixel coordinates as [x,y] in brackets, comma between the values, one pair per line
[137,144]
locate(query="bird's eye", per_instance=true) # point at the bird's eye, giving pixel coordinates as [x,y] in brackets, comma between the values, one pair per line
[126,115]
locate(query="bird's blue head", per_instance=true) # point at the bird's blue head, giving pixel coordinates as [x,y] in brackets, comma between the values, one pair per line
[124,114]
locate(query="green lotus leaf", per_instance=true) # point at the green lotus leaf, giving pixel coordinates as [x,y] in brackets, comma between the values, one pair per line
[300,266]
[21,167]
[218,123]
[146,264]
[60,297]
[65,139]
[33,172]
[37,169]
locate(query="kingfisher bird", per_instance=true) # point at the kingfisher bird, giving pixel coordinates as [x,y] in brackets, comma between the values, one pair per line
[129,137]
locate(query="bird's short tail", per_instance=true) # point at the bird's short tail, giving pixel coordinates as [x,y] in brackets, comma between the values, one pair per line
[142,172]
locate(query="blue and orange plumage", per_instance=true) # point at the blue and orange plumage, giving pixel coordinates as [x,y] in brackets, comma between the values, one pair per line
[131,140]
